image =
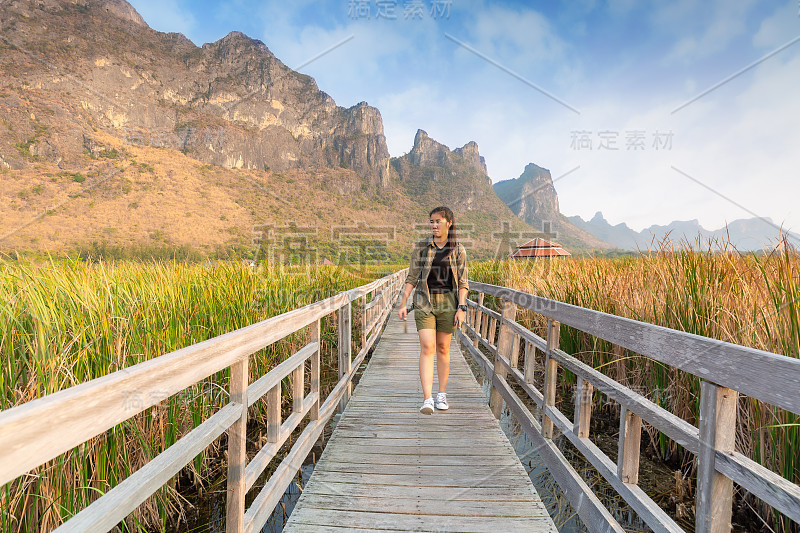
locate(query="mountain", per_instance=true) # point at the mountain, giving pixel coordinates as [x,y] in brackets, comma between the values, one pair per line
[533,198]
[114,133]
[97,65]
[745,234]
[431,174]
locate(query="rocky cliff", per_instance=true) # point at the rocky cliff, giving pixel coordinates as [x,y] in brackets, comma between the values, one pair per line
[117,133]
[97,65]
[533,198]
[456,176]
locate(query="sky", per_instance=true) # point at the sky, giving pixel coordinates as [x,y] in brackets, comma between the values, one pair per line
[647,111]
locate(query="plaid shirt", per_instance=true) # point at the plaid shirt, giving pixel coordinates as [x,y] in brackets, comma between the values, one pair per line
[421,259]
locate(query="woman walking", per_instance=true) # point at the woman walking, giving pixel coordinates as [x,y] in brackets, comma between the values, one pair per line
[438,271]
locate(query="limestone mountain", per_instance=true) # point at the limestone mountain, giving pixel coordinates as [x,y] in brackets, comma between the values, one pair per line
[533,198]
[231,103]
[116,133]
[431,174]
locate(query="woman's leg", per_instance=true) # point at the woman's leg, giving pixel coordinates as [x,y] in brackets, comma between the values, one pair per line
[427,346]
[443,358]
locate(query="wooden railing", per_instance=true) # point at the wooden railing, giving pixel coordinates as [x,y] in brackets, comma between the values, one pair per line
[36,432]
[725,369]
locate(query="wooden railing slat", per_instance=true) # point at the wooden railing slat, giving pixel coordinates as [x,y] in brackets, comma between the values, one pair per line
[502,354]
[718,407]
[769,377]
[262,385]
[111,508]
[237,450]
[261,460]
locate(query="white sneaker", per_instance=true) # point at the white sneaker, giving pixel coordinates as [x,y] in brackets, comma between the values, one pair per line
[441,401]
[427,407]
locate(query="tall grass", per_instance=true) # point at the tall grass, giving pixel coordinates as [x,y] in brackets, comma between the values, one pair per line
[65,322]
[748,299]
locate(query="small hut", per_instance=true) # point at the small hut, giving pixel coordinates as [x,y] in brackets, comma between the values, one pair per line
[539,247]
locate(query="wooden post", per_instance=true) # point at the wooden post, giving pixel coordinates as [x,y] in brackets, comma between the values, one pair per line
[550,375]
[503,352]
[530,361]
[630,435]
[478,319]
[583,408]
[363,321]
[237,448]
[298,383]
[345,334]
[492,330]
[471,313]
[273,397]
[717,432]
[515,351]
[313,414]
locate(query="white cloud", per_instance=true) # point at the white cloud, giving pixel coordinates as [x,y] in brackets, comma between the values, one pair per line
[727,22]
[780,27]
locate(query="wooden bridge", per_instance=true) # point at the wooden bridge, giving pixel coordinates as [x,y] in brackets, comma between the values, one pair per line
[386,466]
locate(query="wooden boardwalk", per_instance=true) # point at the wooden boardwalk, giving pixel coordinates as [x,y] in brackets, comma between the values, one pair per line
[387,467]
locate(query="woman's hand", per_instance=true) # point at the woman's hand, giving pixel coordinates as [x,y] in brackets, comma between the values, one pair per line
[403,312]
[459,318]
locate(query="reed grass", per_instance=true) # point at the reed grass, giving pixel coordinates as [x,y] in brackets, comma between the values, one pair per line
[65,322]
[744,298]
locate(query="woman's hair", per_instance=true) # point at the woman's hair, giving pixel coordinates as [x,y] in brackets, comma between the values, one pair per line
[452,238]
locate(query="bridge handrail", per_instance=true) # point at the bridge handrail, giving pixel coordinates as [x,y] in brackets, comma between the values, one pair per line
[35,432]
[719,463]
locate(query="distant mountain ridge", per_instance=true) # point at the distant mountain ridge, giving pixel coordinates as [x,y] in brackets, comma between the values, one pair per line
[747,234]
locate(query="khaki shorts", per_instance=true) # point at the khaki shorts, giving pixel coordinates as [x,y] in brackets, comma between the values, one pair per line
[442,316]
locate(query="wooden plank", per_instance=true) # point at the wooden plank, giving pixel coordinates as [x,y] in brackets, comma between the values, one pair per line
[263,384]
[111,508]
[504,345]
[433,506]
[315,362]
[492,330]
[345,355]
[717,432]
[479,319]
[237,450]
[274,413]
[767,376]
[413,522]
[379,491]
[771,487]
[298,384]
[384,457]
[583,408]
[530,362]
[630,435]
[550,375]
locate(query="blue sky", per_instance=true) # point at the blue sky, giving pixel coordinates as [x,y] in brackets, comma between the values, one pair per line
[562,85]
